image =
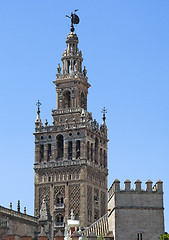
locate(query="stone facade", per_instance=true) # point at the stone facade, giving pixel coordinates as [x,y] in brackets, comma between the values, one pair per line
[71,155]
[136,214]
[16,225]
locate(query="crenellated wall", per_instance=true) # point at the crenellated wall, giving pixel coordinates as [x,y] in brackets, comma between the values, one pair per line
[136,213]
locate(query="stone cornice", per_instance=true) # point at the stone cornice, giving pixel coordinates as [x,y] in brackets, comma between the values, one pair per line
[24,217]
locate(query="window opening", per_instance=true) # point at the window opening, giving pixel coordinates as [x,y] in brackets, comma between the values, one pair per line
[41,152]
[66,99]
[91,151]
[83,101]
[70,150]
[49,151]
[78,149]
[96,150]
[59,147]
[139,236]
[101,156]
[88,150]
[104,163]
[59,219]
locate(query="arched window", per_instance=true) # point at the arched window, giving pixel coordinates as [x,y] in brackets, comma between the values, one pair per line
[59,220]
[96,150]
[66,99]
[83,101]
[59,142]
[59,199]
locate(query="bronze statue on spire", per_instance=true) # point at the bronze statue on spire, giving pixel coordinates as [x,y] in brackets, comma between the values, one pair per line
[74,20]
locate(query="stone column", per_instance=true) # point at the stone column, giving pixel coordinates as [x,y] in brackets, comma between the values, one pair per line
[37,153]
[57,100]
[45,153]
[74,150]
[65,154]
[82,149]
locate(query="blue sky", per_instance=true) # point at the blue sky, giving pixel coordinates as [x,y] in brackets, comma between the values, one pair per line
[126,52]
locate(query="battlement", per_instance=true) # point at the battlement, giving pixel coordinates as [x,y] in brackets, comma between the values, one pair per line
[115,187]
[136,210]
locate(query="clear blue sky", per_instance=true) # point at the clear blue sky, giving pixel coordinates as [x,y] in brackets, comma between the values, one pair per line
[125,45]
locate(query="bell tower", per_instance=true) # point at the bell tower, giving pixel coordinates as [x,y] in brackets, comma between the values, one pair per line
[72,86]
[71,154]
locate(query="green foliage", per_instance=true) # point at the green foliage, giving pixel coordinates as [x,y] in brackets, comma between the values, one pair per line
[164,237]
[100,237]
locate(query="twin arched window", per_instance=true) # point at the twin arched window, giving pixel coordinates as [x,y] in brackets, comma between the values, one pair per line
[67,100]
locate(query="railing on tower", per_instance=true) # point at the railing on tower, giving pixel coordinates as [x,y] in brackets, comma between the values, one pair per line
[100,227]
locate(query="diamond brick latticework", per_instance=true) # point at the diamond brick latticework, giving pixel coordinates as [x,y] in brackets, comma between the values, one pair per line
[103,203]
[96,192]
[74,199]
[59,189]
[44,192]
[89,203]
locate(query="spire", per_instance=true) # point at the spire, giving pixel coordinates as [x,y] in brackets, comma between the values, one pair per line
[38,104]
[44,211]
[38,120]
[18,206]
[104,111]
[72,217]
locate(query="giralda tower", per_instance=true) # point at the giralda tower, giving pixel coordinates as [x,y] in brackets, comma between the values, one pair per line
[71,155]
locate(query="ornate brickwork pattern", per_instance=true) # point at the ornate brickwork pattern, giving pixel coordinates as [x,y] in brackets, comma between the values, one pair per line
[103,203]
[44,192]
[96,192]
[74,199]
[89,203]
[96,214]
[59,189]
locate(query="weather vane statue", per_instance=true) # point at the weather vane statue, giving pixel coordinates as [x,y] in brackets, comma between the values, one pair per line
[74,20]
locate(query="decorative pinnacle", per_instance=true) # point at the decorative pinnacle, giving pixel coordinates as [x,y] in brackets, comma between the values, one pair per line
[18,206]
[59,68]
[38,104]
[74,20]
[104,111]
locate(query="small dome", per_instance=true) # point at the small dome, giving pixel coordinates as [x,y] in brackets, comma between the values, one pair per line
[72,37]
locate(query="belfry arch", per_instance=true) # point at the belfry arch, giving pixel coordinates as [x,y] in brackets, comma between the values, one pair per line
[83,101]
[59,146]
[67,99]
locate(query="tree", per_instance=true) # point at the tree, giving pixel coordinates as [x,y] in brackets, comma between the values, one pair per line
[164,237]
